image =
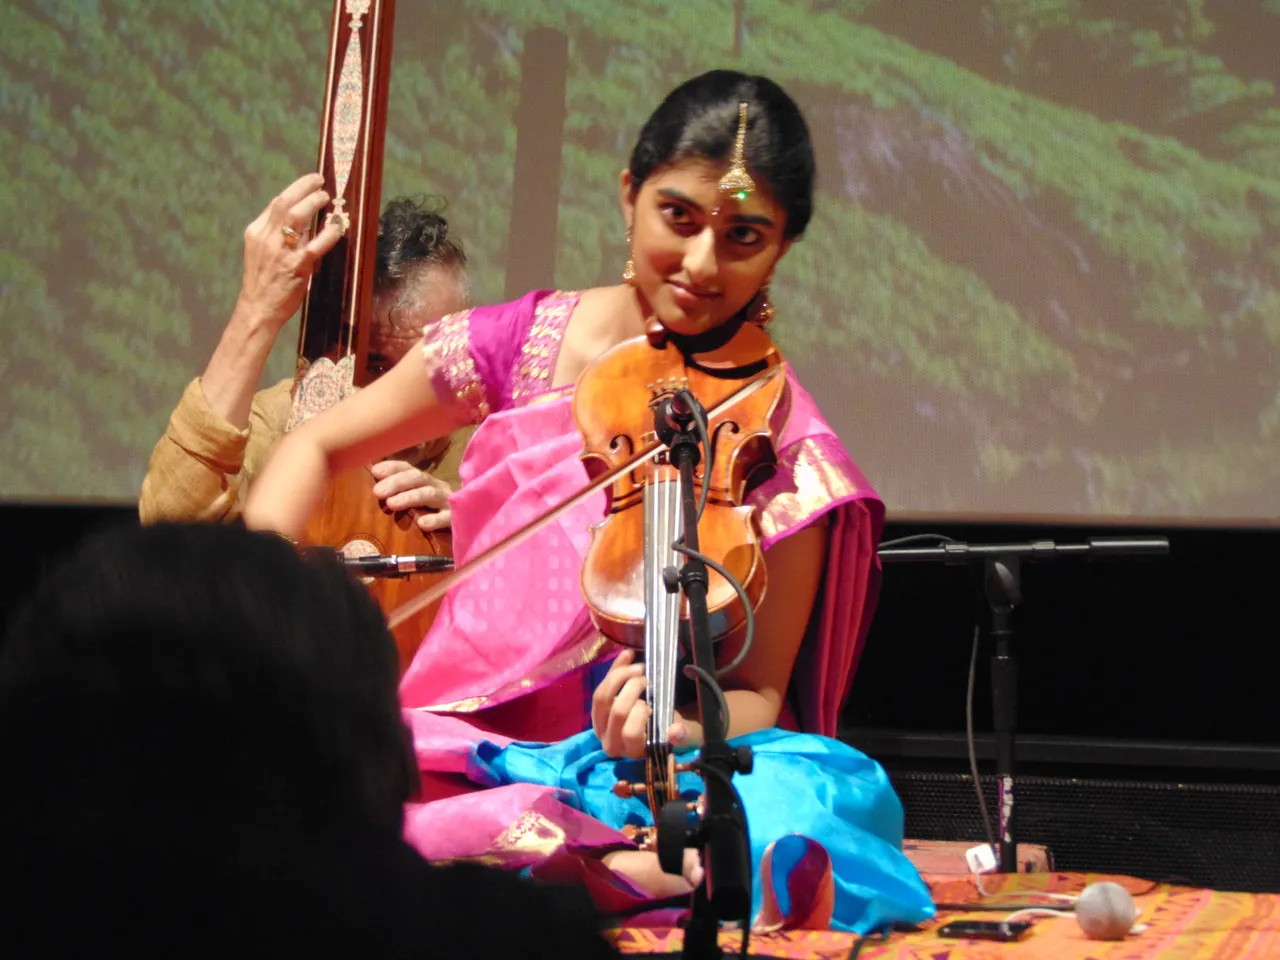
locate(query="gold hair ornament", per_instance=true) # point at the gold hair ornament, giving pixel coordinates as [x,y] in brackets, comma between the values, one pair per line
[737,182]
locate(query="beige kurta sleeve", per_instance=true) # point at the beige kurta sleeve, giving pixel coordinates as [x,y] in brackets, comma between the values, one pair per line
[201,468]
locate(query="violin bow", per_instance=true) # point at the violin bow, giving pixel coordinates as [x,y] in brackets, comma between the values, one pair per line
[480,560]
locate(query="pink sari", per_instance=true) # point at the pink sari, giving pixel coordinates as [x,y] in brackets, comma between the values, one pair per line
[512,653]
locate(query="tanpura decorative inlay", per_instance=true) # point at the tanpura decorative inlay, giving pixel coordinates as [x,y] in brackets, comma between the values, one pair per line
[348,107]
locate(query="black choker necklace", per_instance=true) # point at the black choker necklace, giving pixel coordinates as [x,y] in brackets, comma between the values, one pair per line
[690,345]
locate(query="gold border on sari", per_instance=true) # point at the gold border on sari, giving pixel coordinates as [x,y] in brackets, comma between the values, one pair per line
[573,657]
[532,834]
[447,353]
[810,476]
[542,344]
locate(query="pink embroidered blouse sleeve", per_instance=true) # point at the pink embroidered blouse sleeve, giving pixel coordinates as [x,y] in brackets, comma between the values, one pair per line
[491,358]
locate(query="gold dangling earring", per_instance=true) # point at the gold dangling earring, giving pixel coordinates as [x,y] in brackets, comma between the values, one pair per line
[764,312]
[629,271]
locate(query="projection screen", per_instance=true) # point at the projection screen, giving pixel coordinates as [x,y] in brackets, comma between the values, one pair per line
[1043,279]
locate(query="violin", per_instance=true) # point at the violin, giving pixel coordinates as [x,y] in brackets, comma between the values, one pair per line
[630,572]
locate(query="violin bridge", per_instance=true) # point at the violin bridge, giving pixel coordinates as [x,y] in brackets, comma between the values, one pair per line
[665,387]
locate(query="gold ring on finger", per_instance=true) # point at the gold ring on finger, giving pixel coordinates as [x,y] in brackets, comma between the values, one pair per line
[291,237]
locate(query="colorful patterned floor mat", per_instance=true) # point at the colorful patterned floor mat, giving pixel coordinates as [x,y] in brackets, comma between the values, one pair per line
[1182,923]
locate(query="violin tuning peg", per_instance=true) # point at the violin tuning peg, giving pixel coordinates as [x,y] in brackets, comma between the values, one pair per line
[642,836]
[626,790]
[683,767]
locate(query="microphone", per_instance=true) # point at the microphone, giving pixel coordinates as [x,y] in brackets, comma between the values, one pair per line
[1106,911]
[680,406]
[390,565]
[671,415]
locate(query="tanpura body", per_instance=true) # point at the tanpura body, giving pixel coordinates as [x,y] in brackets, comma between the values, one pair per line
[352,519]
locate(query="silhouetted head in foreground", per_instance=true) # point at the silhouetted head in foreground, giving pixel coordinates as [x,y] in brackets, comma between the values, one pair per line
[202,751]
[212,660]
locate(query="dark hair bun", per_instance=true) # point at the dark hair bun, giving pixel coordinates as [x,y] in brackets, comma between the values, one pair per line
[700,119]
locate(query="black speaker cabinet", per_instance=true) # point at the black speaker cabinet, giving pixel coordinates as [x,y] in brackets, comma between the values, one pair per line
[1211,819]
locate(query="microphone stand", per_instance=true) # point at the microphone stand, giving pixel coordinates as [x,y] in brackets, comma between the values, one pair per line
[726,891]
[1002,586]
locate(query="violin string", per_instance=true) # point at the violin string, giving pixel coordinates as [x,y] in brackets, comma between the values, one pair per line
[658,537]
[660,489]
[672,599]
[652,645]
[662,614]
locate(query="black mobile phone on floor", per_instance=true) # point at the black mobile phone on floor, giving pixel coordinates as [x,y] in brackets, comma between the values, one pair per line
[984,930]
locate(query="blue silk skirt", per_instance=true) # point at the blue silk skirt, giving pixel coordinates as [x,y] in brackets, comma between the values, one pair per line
[801,784]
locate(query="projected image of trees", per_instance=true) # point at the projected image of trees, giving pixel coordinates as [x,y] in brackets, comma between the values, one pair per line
[1044,274]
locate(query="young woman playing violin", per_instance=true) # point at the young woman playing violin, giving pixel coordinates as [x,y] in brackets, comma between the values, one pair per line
[518,708]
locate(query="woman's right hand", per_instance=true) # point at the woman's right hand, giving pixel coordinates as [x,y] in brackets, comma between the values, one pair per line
[275,270]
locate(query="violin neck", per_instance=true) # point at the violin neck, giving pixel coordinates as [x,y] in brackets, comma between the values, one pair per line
[663,527]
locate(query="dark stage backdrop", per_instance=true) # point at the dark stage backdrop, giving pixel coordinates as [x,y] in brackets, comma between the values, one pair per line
[1181,649]
[1150,740]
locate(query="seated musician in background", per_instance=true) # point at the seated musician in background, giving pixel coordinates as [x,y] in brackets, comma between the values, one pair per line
[203,756]
[513,655]
[221,432]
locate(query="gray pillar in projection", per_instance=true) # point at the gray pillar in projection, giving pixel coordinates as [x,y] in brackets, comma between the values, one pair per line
[535,192]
